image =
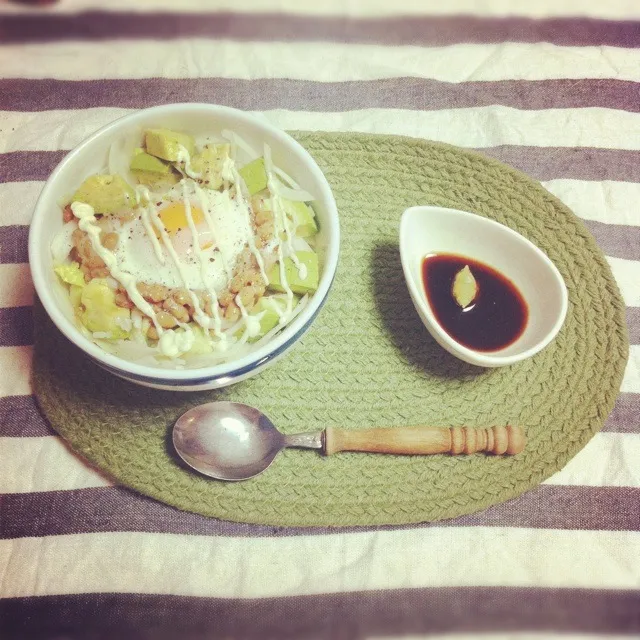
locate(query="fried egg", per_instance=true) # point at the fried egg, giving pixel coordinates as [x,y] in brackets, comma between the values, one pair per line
[206,259]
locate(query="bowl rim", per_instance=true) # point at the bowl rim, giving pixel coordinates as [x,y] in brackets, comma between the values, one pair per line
[473,356]
[274,347]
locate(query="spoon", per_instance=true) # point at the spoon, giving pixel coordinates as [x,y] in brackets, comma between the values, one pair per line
[233,441]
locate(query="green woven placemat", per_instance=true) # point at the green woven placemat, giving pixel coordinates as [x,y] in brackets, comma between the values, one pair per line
[368,361]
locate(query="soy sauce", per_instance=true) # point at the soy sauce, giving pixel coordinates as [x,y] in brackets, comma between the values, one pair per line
[497,316]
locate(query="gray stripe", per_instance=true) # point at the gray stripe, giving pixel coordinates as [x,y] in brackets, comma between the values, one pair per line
[625,417]
[108,509]
[21,166]
[16,327]
[541,163]
[633,319]
[361,614]
[427,31]
[578,163]
[14,242]
[616,240]
[265,94]
[21,418]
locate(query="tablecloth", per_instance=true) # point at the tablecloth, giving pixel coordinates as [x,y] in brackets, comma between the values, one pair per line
[550,87]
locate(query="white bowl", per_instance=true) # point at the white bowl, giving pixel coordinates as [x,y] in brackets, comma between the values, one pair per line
[427,230]
[198,119]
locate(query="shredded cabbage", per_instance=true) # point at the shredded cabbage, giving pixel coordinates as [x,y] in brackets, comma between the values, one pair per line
[285,178]
[62,242]
[300,244]
[298,195]
[238,143]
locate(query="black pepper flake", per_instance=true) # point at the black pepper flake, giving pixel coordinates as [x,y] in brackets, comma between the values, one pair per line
[210,259]
[158,204]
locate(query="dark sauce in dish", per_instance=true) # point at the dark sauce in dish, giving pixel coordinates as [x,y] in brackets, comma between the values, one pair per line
[497,316]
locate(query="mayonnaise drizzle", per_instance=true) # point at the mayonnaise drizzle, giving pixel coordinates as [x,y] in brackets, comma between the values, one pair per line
[199,316]
[174,343]
[87,222]
[185,158]
[142,193]
[217,323]
[251,323]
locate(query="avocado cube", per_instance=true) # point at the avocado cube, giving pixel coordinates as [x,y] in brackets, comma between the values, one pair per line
[254,176]
[297,283]
[152,172]
[302,216]
[267,308]
[165,144]
[106,194]
[156,181]
[209,164]
[101,314]
[148,163]
[270,318]
[70,273]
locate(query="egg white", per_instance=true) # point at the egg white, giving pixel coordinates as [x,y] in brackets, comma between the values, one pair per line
[135,252]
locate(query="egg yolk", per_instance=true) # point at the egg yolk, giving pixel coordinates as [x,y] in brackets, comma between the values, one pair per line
[174,219]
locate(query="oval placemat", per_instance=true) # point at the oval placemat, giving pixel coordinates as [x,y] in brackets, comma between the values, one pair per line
[368,361]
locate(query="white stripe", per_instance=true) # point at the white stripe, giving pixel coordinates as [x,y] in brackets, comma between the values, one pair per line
[44,464]
[299,565]
[627,275]
[15,368]
[622,9]
[16,287]
[201,58]
[63,130]
[472,127]
[631,379]
[607,460]
[17,201]
[481,126]
[605,201]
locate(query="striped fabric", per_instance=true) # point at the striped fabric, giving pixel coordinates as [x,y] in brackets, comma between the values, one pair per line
[552,89]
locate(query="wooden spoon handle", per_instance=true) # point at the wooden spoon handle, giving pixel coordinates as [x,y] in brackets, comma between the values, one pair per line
[426,440]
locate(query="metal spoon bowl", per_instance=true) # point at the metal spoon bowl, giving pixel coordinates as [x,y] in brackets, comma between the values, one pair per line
[232,441]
